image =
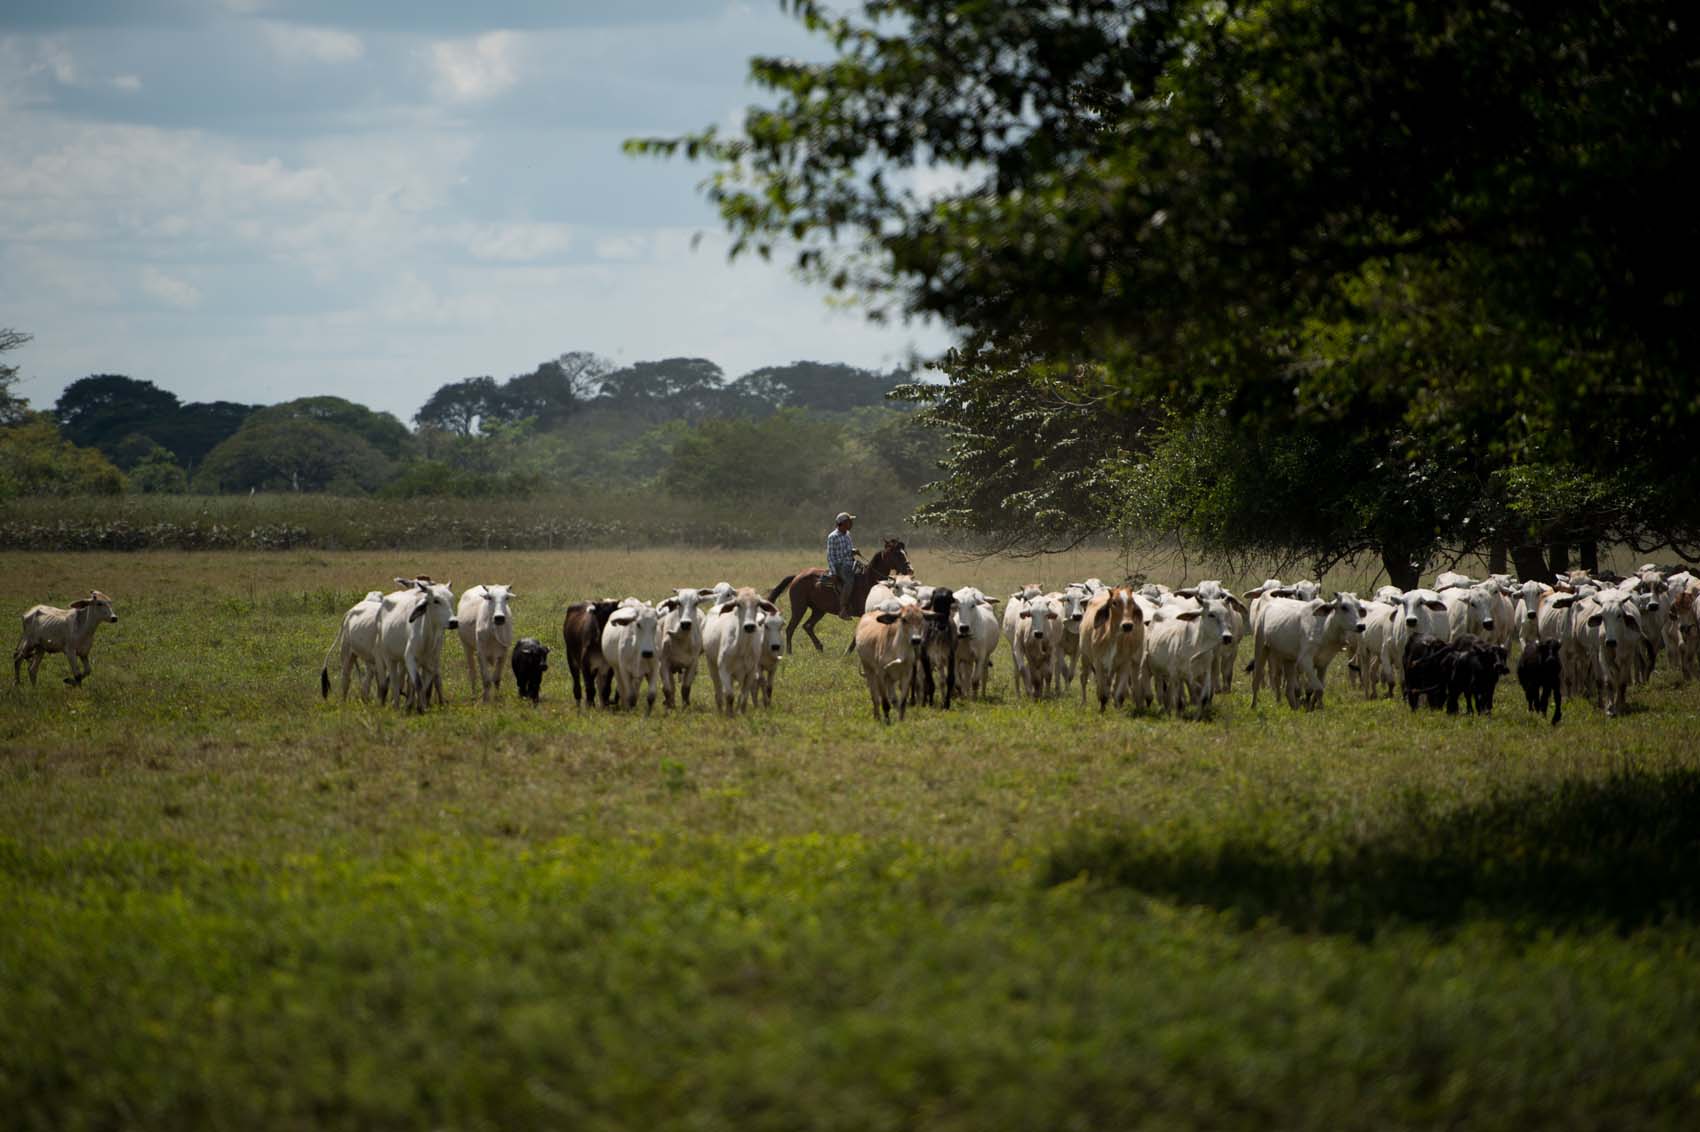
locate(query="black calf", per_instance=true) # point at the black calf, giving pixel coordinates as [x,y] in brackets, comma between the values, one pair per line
[530,662]
[1539,671]
[1467,669]
[938,647]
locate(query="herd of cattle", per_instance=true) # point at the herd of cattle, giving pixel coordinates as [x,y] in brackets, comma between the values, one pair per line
[1446,646]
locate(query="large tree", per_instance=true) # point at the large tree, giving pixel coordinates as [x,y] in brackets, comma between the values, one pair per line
[381,430]
[1419,230]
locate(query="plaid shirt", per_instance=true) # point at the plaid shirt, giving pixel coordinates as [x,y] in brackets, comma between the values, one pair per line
[840,556]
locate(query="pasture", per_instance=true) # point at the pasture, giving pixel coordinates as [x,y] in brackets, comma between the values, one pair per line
[225,902]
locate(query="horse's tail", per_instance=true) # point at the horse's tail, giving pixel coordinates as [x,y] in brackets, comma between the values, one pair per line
[784,583]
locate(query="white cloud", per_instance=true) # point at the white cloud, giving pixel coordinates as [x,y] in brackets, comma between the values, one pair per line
[469,70]
[129,84]
[622,247]
[169,290]
[513,243]
[299,43]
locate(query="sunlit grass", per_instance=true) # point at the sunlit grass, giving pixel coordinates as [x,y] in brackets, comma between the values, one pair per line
[227,902]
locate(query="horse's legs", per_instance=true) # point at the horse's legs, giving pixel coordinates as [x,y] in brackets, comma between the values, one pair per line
[815,615]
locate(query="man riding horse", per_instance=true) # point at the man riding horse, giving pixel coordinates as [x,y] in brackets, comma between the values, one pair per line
[841,588]
[841,564]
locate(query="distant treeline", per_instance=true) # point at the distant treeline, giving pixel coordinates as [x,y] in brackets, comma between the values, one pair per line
[809,435]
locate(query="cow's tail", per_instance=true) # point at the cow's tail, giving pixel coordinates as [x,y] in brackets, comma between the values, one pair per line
[784,584]
[325,669]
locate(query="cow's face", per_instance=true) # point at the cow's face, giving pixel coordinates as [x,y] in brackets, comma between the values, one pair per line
[642,622]
[746,608]
[98,604]
[496,599]
[679,612]
[1044,614]
[773,633]
[1073,605]
[1345,610]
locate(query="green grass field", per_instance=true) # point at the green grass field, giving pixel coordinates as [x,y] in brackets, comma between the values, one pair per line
[227,903]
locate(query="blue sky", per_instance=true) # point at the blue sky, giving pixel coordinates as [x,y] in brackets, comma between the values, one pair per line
[263,199]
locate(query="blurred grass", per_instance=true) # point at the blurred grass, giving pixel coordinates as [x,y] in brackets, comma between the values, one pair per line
[227,903]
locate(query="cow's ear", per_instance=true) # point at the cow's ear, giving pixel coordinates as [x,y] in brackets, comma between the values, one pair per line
[1563,602]
[1629,620]
[704,593]
[1436,606]
[1102,617]
[1189,615]
[80,603]
[624,616]
[419,609]
[1236,603]
[1026,613]
[885,618]
[1254,594]
[1392,615]
[1324,608]
[1190,591]
[728,607]
[1596,619]
[1281,593]
[403,583]
[667,606]
[488,596]
[767,607]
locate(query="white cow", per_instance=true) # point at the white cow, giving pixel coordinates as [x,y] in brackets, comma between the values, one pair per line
[1241,616]
[630,646]
[356,647]
[411,624]
[1012,611]
[1038,638]
[1469,609]
[1682,628]
[486,636]
[1526,610]
[47,628]
[1609,635]
[1072,601]
[974,662]
[772,634]
[1301,638]
[681,640]
[1415,613]
[731,642]
[1180,650]
[1369,651]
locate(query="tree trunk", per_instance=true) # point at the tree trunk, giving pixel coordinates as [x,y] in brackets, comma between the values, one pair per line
[1588,556]
[1400,572]
[1531,564]
[1497,555]
[1558,557]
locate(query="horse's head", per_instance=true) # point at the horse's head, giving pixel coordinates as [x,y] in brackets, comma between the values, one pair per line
[893,559]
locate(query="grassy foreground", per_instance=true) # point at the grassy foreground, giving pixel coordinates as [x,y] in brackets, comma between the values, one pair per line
[226,903]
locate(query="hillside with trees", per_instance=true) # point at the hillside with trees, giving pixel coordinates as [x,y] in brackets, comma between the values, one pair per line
[809,435]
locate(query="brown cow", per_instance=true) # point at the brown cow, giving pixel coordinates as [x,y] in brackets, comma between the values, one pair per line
[888,642]
[582,633]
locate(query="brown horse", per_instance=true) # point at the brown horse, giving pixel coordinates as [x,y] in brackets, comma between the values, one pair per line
[809,596]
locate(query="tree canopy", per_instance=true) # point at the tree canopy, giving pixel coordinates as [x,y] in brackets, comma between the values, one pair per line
[1420,230]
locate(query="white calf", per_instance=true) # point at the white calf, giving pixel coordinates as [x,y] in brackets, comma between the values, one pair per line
[1038,638]
[47,628]
[974,662]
